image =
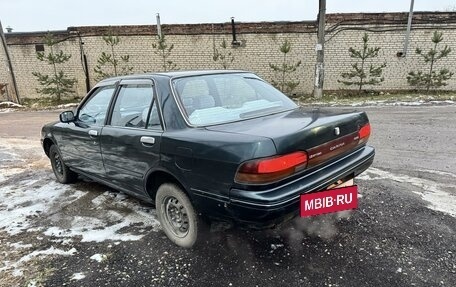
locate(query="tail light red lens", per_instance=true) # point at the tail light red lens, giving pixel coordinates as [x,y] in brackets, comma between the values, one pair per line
[268,170]
[364,133]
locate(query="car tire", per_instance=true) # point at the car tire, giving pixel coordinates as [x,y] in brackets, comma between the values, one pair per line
[62,173]
[177,216]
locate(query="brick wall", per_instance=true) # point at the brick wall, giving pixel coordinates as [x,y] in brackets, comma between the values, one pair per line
[194,48]
[4,75]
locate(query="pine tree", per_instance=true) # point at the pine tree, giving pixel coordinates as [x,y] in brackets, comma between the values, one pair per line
[223,56]
[109,64]
[360,75]
[284,79]
[432,79]
[163,49]
[57,84]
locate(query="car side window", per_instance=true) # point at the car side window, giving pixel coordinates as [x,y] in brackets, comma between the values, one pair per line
[94,111]
[154,118]
[132,106]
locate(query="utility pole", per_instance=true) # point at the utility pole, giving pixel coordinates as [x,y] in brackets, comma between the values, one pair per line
[320,48]
[10,66]
[159,30]
[409,27]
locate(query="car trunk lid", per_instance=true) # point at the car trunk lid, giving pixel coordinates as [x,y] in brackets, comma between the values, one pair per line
[323,134]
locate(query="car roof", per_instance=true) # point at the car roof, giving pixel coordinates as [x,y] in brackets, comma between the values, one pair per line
[174,74]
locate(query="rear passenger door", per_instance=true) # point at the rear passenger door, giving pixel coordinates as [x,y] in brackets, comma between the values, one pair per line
[130,142]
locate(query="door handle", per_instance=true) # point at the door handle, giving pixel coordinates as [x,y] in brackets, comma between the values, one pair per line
[147,140]
[93,133]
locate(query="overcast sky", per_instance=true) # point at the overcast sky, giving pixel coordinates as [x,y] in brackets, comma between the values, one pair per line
[42,15]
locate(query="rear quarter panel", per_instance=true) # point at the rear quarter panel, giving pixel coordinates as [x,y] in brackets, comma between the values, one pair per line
[208,160]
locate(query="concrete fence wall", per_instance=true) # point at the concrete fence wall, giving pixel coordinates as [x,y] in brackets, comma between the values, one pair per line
[194,48]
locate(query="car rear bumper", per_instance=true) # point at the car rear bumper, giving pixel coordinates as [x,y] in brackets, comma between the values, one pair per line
[266,208]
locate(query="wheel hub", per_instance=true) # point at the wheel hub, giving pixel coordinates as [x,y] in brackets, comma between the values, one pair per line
[176,216]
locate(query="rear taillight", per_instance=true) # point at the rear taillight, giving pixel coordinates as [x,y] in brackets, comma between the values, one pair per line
[364,133]
[267,170]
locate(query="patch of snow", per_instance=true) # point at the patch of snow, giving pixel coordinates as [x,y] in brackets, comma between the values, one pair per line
[356,104]
[70,105]
[415,103]
[92,229]
[8,104]
[121,196]
[32,284]
[6,107]
[37,253]
[430,191]
[24,200]
[8,155]
[369,103]
[34,204]
[98,257]
[438,172]
[7,173]
[8,110]
[365,176]
[443,102]
[66,241]
[78,276]
[275,246]
[19,245]
[99,200]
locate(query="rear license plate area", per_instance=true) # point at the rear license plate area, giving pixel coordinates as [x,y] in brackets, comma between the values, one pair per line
[343,196]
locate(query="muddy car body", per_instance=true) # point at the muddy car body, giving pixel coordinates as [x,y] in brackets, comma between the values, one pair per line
[220,144]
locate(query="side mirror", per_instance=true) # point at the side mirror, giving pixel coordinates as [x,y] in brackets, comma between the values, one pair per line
[67,117]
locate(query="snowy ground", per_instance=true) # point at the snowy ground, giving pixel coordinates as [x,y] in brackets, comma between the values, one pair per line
[431,191]
[37,212]
[87,234]
[411,101]
[6,107]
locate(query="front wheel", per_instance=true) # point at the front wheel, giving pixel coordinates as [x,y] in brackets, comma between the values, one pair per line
[177,216]
[62,173]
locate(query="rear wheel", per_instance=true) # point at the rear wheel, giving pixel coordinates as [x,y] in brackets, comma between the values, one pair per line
[177,216]
[62,173]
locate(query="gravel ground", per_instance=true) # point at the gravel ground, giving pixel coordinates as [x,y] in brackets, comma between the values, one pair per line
[403,233]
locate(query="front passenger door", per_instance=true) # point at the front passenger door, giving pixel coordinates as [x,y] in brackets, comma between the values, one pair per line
[80,143]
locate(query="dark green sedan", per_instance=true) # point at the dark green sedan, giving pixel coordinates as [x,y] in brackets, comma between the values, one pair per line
[207,145]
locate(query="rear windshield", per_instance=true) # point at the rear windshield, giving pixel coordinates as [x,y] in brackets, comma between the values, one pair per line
[222,98]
